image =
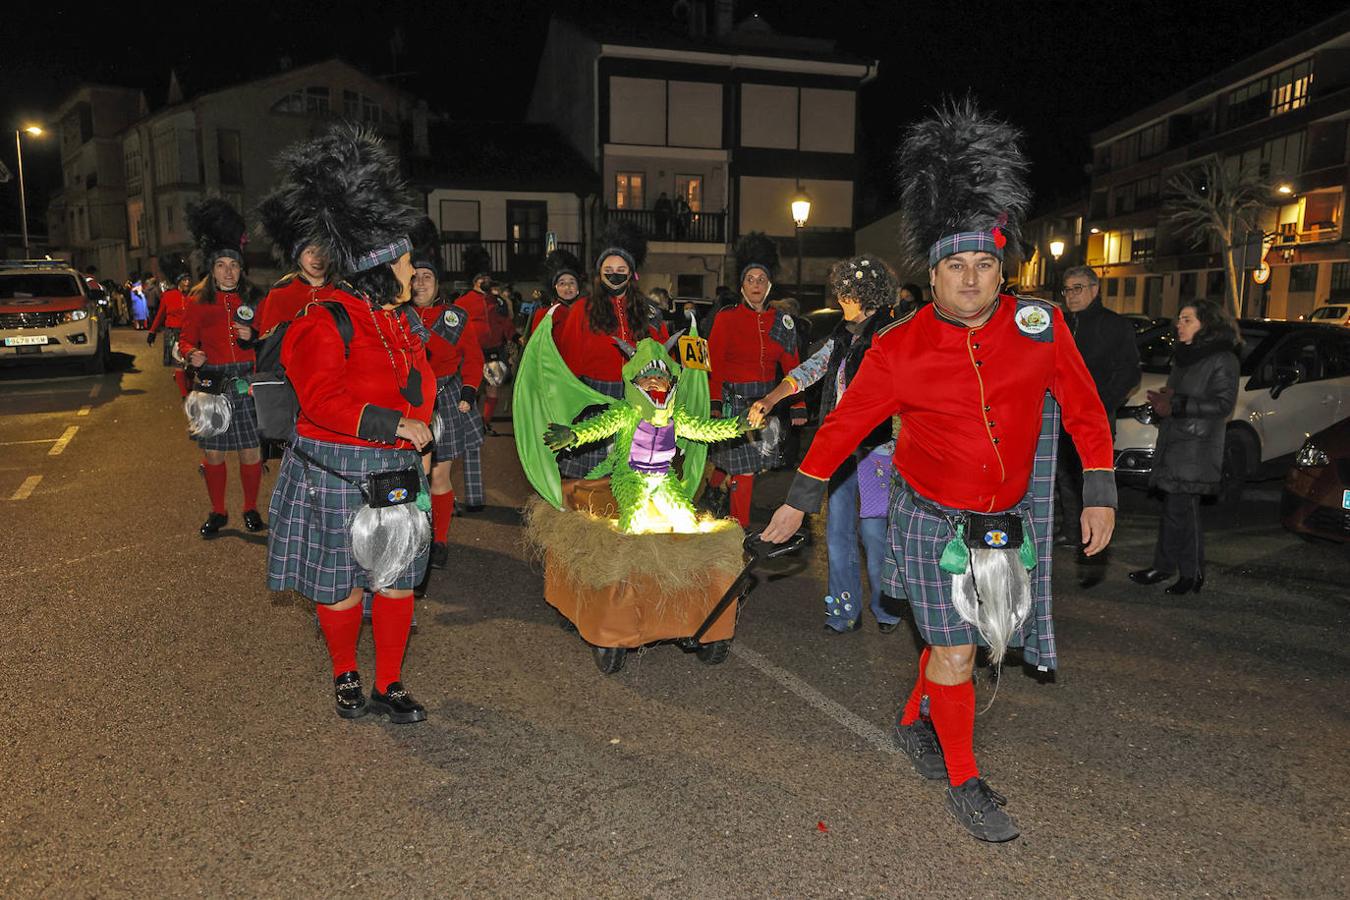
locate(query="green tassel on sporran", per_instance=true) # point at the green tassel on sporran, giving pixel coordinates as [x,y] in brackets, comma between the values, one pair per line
[956,555]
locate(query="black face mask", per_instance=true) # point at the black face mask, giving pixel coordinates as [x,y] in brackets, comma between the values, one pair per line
[615,282]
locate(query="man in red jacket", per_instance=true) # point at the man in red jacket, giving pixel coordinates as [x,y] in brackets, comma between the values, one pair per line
[494,328]
[969,377]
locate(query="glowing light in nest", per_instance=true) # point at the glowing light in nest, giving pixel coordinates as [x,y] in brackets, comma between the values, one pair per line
[653,517]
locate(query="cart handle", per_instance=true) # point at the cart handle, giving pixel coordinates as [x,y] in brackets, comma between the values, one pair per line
[756,546]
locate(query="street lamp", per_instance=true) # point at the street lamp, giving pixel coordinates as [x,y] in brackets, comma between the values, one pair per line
[801,211]
[35,131]
[1056,251]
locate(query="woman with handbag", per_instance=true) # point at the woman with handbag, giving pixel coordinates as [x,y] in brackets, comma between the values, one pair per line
[349,512]
[1193,410]
[865,289]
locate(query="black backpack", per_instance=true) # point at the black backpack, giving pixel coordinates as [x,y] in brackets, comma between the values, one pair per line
[273,394]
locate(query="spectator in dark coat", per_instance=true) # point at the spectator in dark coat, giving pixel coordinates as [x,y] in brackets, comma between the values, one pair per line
[1106,342]
[1192,413]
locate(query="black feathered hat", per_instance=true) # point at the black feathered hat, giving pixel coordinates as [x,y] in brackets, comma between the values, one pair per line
[561,262]
[623,239]
[277,223]
[217,229]
[174,268]
[343,193]
[426,246]
[962,180]
[756,250]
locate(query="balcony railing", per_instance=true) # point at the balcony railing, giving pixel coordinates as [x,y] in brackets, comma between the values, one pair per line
[519,260]
[692,227]
[1312,234]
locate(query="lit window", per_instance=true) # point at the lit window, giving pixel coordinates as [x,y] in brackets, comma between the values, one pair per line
[628,190]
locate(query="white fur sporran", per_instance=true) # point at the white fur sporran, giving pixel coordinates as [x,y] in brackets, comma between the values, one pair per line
[385,541]
[437,427]
[994,595]
[208,414]
[495,372]
[769,437]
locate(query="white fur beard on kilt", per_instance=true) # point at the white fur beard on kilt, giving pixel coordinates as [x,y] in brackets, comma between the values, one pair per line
[437,427]
[994,595]
[208,414]
[385,541]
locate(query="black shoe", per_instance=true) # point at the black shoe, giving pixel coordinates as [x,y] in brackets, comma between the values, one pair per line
[1149,576]
[253,521]
[852,626]
[979,809]
[213,524]
[490,431]
[1185,585]
[887,627]
[919,742]
[474,508]
[440,555]
[398,705]
[351,703]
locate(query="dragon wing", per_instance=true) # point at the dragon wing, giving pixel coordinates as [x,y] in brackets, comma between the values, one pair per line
[693,397]
[546,392]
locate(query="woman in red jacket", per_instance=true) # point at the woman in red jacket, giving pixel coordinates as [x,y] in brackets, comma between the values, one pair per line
[457,361]
[589,340]
[172,306]
[218,311]
[348,509]
[751,346]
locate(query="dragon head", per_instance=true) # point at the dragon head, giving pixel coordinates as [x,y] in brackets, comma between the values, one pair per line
[650,378]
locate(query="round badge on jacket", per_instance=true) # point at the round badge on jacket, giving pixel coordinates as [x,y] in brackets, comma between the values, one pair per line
[1032,320]
[245,313]
[788,323]
[451,318]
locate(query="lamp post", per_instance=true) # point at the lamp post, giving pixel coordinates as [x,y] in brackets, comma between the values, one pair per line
[35,131]
[801,211]
[1056,251]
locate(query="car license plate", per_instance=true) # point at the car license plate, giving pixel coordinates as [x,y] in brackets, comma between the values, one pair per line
[26,341]
[1345,500]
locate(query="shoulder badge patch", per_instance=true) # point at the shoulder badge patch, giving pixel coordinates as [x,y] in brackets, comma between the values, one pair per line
[788,323]
[244,313]
[1032,319]
[451,318]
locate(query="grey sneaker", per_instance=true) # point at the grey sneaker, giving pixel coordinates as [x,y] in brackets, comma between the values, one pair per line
[919,742]
[979,809]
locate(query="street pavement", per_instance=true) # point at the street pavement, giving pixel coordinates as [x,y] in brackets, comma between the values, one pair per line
[169,729]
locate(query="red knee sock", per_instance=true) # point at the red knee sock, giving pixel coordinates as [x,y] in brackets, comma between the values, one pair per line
[489,404]
[250,474]
[716,478]
[341,628]
[180,379]
[952,709]
[915,702]
[390,621]
[215,485]
[442,511]
[741,488]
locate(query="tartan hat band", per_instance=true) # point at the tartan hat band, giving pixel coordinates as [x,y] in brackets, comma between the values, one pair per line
[966,242]
[387,254]
[232,254]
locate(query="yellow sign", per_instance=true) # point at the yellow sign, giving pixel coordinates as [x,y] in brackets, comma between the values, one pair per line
[694,353]
[1262,274]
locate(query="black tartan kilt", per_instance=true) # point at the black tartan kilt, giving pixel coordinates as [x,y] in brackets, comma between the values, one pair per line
[243,431]
[459,431]
[309,548]
[742,455]
[170,338]
[579,462]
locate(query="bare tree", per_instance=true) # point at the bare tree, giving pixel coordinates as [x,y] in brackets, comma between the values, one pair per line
[1212,200]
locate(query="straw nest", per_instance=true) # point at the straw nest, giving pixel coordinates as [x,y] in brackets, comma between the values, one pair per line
[592,554]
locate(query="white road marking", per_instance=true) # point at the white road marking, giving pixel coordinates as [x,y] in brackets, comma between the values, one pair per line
[26,488]
[38,441]
[59,447]
[84,411]
[854,723]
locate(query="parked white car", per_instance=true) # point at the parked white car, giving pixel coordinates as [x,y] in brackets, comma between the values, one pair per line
[1331,314]
[48,312]
[1295,380]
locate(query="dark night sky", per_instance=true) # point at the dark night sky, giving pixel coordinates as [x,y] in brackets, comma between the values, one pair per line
[1058,69]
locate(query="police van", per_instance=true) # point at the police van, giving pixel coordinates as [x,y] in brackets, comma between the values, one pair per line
[48,313]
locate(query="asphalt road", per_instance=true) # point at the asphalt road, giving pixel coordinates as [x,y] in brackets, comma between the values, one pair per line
[169,728]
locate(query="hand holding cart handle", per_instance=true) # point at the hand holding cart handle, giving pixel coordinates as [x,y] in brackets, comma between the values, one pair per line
[758,550]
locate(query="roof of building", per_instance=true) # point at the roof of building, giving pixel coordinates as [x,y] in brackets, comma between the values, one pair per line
[1336,27]
[502,156]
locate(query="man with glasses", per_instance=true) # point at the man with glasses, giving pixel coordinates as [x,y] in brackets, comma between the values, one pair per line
[1106,342]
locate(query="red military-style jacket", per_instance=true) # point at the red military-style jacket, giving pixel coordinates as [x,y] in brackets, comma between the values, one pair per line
[745,346]
[559,314]
[172,305]
[210,327]
[454,347]
[594,355]
[285,300]
[355,396]
[969,401]
[493,325]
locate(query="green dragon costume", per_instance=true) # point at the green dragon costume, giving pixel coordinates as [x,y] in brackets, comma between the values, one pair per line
[665,407]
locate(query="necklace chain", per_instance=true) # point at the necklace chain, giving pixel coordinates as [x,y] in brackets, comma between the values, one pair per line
[388,352]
